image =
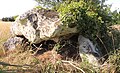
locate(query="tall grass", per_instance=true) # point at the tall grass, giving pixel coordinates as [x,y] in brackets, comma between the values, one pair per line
[25,62]
[4,33]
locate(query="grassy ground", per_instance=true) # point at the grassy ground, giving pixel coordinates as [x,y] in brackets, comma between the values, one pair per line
[4,33]
[17,62]
[25,62]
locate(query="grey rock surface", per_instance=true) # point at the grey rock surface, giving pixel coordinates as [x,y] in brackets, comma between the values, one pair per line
[39,24]
[88,51]
[12,42]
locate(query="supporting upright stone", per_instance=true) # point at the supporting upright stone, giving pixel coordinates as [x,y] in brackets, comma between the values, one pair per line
[88,51]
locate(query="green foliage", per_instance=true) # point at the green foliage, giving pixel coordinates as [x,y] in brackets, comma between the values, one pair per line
[89,16]
[114,59]
[48,3]
[8,19]
[53,3]
[38,7]
[15,17]
[116,17]
[92,19]
[115,34]
[2,71]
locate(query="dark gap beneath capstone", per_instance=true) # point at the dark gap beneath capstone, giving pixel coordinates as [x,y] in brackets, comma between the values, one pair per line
[44,45]
[70,49]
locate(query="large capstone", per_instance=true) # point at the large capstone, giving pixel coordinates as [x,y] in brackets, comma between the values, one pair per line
[39,24]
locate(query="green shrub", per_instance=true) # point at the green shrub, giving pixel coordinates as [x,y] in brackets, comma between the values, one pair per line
[15,17]
[91,18]
[114,59]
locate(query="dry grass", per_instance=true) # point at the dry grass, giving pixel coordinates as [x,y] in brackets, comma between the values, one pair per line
[4,33]
[25,62]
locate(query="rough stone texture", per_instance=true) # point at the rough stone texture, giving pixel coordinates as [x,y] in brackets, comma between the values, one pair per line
[15,29]
[12,42]
[39,24]
[88,51]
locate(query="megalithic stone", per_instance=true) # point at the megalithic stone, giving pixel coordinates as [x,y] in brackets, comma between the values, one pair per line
[37,25]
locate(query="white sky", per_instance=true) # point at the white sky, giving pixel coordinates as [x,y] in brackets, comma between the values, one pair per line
[115,4]
[15,7]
